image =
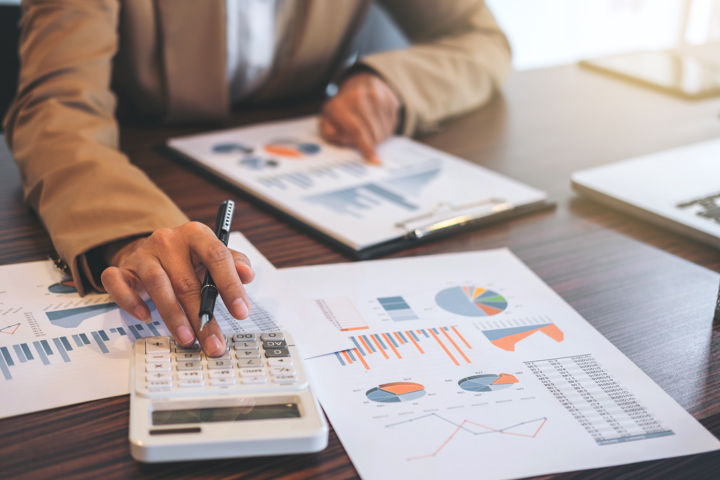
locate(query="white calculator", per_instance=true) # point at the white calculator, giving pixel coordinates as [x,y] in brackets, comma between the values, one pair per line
[254,400]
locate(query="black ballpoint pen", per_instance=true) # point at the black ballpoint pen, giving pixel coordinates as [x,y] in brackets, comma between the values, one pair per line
[209,292]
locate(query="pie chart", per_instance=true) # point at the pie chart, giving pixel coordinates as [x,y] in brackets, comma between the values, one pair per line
[396,392]
[487,383]
[292,148]
[471,301]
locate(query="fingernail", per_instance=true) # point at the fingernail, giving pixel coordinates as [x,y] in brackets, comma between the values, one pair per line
[213,345]
[375,160]
[240,309]
[143,313]
[184,335]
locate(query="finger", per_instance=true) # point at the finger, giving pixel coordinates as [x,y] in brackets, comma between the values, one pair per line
[330,127]
[220,262]
[243,267]
[354,129]
[159,287]
[368,112]
[118,284]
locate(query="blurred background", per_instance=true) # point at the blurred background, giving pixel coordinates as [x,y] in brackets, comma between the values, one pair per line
[543,33]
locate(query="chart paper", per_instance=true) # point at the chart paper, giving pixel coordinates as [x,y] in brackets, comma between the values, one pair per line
[57,348]
[469,366]
[334,190]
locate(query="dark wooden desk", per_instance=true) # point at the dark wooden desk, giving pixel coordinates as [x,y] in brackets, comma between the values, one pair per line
[642,287]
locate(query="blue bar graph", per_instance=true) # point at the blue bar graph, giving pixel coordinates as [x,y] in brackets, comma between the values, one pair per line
[425,333]
[352,357]
[103,335]
[382,344]
[100,342]
[369,343]
[121,331]
[153,329]
[60,348]
[19,353]
[342,362]
[84,339]
[41,353]
[134,331]
[66,344]
[357,345]
[139,327]
[417,339]
[392,340]
[46,346]
[113,330]
[78,342]
[7,356]
[4,369]
[26,350]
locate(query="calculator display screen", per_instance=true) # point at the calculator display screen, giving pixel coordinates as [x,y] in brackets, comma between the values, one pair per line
[225,414]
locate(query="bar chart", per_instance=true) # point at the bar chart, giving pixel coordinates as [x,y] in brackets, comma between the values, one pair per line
[446,343]
[44,350]
[341,312]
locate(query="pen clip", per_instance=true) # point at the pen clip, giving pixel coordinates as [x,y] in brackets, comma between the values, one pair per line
[472,212]
[225,216]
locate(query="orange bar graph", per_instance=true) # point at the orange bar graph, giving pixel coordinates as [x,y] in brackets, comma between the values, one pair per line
[367,347]
[347,357]
[361,359]
[412,339]
[382,350]
[391,345]
[461,338]
[455,345]
[397,335]
[354,328]
[443,346]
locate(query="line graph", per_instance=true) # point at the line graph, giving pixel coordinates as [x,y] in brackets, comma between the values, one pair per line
[10,329]
[523,429]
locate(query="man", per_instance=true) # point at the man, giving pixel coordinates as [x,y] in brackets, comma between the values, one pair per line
[191,60]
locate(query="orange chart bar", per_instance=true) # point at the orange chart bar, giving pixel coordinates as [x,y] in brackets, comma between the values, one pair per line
[444,347]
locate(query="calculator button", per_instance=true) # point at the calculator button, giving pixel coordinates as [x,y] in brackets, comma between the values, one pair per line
[246,346]
[157,345]
[219,382]
[254,380]
[244,337]
[274,344]
[159,367]
[284,379]
[219,364]
[225,373]
[224,356]
[189,365]
[275,371]
[277,352]
[159,384]
[158,358]
[191,383]
[266,337]
[249,362]
[190,374]
[188,357]
[192,348]
[159,376]
[248,354]
[280,362]
[252,372]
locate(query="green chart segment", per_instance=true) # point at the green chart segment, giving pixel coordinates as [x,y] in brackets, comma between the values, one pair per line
[471,301]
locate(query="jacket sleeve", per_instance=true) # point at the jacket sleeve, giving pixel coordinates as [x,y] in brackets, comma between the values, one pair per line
[459,57]
[63,134]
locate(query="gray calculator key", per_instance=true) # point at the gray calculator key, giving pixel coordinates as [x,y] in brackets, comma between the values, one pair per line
[189,366]
[277,352]
[248,354]
[250,362]
[224,356]
[265,337]
[246,346]
[274,344]
[192,348]
[217,364]
[244,337]
[188,357]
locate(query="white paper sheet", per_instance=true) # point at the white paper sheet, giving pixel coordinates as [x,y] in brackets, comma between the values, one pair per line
[469,366]
[57,348]
[331,188]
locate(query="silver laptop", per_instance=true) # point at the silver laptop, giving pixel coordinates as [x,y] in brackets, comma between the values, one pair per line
[678,189]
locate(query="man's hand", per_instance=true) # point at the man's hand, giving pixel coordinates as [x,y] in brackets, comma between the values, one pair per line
[168,265]
[361,115]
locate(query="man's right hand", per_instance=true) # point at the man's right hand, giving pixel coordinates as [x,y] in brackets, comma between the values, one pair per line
[169,266]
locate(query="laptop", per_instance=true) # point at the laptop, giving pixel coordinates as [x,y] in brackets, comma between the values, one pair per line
[678,189]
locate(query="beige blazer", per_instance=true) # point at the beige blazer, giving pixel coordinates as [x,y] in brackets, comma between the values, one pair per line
[166,60]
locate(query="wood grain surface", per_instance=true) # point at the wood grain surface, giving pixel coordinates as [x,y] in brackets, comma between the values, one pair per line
[651,292]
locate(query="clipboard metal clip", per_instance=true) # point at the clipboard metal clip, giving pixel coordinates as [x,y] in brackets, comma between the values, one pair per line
[445,216]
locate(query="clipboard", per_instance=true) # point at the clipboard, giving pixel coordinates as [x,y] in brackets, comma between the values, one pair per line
[419,195]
